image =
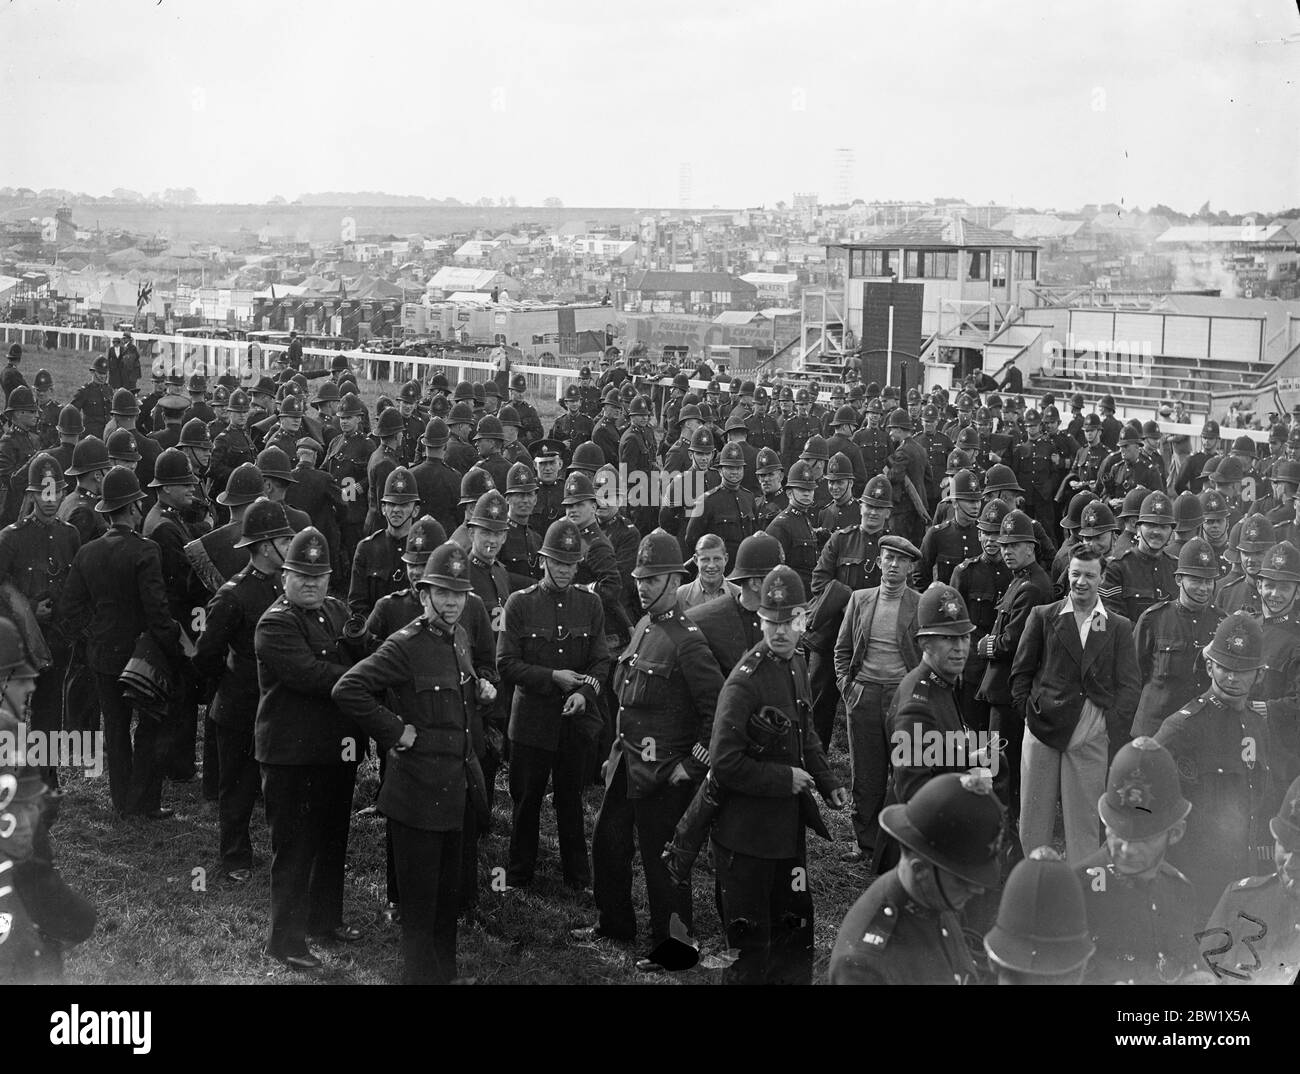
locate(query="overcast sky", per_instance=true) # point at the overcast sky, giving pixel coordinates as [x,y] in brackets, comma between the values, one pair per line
[1042,103]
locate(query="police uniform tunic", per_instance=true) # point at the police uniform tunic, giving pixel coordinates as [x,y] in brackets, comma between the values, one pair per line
[1238,594]
[346,463]
[794,434]
[547,629]
[606,436]
[1032,464]
[377,569]
[1253,936]
[1223,757]
[728,513]
[230,448]
[573,429]
[1279,686]
[214,557]
[1169,638]
[308,749]
[666,683]
[225,654]
[519,553]
[944,547]
[758,833]
[840,514]
[793,527]
[767,508]
[94,400]
[35,558]
[425,674]
[382,462]
[981,581]
[438,487]
[624,538]
[1143,928]
[1134,580]
[876,449]
[763,431]
[17,447]
[530,424]
[889,938]
[549,506]
[851,556]
[928,710]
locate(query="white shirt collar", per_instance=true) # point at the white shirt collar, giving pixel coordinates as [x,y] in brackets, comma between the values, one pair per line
[1067,608]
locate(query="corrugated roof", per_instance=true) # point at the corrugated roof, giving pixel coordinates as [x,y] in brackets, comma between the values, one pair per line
[457,278]
[950,232]
[654,280]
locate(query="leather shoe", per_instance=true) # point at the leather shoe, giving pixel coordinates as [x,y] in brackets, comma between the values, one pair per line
[391,914]
[649,965]
[239,876]
[856,856]
[342,934]
[302,963]
[162,813]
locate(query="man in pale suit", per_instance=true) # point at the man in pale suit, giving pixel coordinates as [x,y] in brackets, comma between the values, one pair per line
[1075,678]
[875,648]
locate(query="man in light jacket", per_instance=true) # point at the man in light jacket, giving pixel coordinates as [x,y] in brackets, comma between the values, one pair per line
[875,649]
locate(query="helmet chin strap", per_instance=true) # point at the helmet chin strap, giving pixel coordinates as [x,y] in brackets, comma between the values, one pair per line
[666,580]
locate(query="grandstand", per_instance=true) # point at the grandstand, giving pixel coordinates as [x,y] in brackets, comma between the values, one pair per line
[1149,349]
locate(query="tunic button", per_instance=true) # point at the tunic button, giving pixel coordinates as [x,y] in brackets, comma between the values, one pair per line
[889,911]
[943,932]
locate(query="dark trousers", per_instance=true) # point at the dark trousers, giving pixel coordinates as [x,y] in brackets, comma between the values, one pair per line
[308,808]
[623,825]
[47,706]
[428,870]
[80,693]
[471,830]
[531,769]
[869,755]
[767,911]
[237,793]
[1005,721]
[134,763]
[975,712]
[825,695]
[212,760]
[183,721]
[350,535]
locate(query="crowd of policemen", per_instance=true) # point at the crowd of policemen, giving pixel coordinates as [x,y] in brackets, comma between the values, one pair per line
[489,604]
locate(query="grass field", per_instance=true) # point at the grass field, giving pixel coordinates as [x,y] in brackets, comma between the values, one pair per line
[167,916]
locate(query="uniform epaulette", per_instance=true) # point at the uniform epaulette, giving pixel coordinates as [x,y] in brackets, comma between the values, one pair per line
[751,660]
[1121,554]
[846,529]
[411,629]
[1169,870]
[1255,882]
[880,929]
[532,588]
